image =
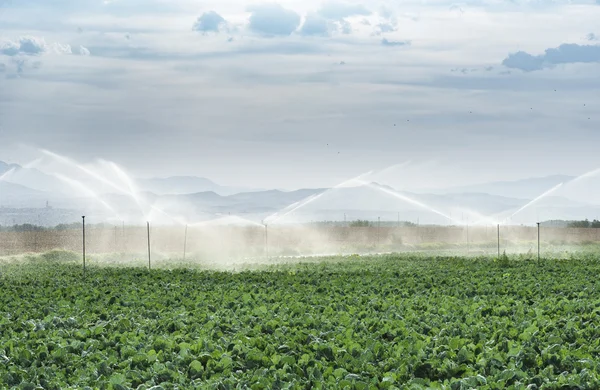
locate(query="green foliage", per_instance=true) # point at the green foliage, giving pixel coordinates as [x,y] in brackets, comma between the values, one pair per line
[584,224]
[360,223]
[60,256]
[390,322]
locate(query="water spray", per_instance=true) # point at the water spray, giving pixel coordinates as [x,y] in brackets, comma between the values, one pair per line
[102,179]
[550,191]
[295,206]
[407,199]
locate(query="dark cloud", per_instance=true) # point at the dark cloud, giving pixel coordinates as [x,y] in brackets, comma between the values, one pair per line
[592,37]
[209,22]
[338,11]
[386,42]
[273,19]
[315,24]
[568,53]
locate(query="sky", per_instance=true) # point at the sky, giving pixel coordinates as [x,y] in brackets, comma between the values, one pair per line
[296,94]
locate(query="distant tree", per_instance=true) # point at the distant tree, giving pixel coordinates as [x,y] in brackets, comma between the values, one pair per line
[360,223]
[595,224]
[579,224]
[65,226]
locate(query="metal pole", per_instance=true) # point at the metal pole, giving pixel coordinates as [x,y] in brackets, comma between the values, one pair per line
[378,228]
[468,248]
[83,225]
[538,241]
[149,259]
[185,242]
[267,240]
[498,240]
[345,221]
[398,219]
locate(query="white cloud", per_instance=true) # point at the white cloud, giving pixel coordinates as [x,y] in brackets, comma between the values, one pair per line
[337,10]
[210,22]
[314,24]
[26,45]
[83,51]
[273,20]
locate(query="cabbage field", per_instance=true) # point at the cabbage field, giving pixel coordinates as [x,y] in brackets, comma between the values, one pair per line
[387,322]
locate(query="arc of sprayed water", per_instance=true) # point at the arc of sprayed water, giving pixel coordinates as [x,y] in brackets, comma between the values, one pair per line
[133,192]
[537,199]
[295,206]
[409,200]
[106,181]
[7,174]
[78,185]
[482,219]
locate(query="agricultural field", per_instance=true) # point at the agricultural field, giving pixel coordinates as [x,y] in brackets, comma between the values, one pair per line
[386,322]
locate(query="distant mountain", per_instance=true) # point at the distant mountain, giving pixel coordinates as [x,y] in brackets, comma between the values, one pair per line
[32,178]
[5,167]
[194,199]
[524,189]
[16,195]
[178,185]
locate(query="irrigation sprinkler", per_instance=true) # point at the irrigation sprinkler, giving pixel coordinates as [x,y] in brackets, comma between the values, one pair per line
[83,226]
[149,258]
[538,232]
[185,242]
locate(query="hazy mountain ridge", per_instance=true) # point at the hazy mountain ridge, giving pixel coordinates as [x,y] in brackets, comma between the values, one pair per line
[180,185]
[524,188]
[460,204]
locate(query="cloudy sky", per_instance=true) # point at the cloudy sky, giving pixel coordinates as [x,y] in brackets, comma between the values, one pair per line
[306,93]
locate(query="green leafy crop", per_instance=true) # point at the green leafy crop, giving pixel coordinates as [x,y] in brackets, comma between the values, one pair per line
[392,322]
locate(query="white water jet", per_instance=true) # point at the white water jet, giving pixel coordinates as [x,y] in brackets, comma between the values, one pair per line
[295,206]
[7,174]
[534,201]
[81,187]
[409,200]
[110,183]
